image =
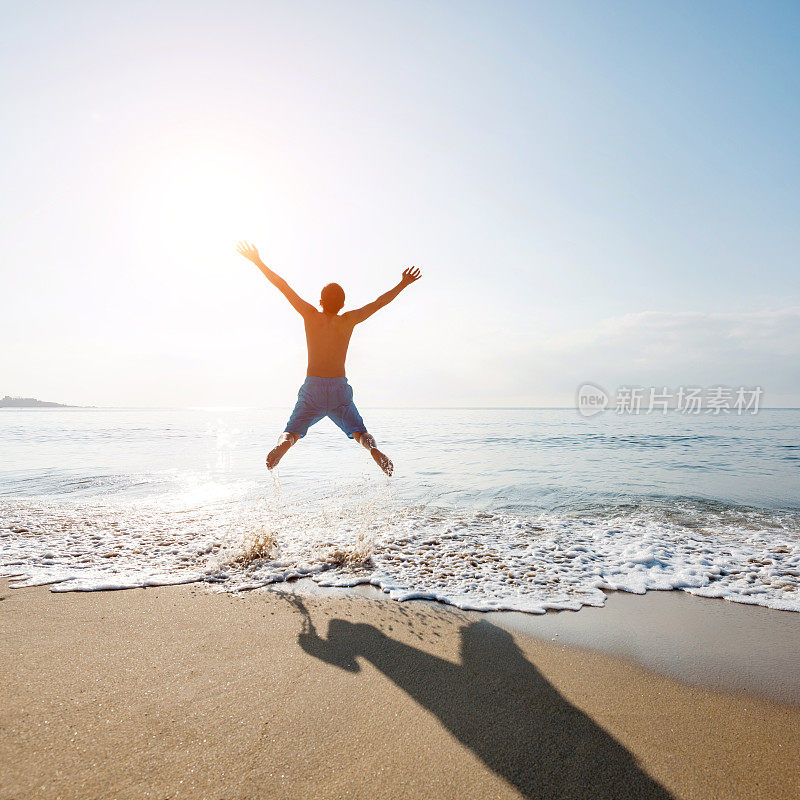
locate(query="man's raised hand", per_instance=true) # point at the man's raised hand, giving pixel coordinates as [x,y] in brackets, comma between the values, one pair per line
[249,251]
[410,275]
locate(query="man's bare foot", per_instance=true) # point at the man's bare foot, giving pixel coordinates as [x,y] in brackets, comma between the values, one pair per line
[382,460]
[277,453]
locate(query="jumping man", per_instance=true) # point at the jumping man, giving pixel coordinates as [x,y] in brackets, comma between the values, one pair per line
[326,392]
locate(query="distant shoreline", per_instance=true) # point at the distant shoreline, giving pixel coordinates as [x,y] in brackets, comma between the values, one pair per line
[32,402]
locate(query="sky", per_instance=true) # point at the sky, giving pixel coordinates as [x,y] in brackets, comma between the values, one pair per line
[594,191]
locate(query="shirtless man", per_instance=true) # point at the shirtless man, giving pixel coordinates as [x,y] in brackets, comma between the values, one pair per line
[326,392]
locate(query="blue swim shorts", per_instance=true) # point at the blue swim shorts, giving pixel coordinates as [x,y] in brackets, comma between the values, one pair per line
[325,397]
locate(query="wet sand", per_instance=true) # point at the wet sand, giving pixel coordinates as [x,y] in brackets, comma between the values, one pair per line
[721,645]
[178,692]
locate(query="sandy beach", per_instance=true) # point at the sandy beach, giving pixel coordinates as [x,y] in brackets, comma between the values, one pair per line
[178,692]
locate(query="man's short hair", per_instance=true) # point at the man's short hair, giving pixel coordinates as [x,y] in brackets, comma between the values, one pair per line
[332,298]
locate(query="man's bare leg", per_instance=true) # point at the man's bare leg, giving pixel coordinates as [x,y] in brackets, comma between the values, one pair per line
[367,441]
[285,441]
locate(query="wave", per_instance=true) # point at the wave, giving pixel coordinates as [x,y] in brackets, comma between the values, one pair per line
[364,533]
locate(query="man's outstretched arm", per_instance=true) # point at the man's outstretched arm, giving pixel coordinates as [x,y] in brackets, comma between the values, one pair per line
[360,314]
[301,306]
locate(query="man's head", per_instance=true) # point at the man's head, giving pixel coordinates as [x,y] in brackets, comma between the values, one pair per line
[332,298]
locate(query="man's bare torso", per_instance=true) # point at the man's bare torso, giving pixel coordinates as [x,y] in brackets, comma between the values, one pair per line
[327,337]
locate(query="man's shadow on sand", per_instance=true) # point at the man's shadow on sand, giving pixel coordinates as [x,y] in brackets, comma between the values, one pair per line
[500,706]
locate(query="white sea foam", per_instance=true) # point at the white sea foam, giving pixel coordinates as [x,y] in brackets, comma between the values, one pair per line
[362,534]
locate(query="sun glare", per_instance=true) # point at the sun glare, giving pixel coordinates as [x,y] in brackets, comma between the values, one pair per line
[204,199]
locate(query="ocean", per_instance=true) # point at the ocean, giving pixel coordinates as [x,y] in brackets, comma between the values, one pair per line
[488,509]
